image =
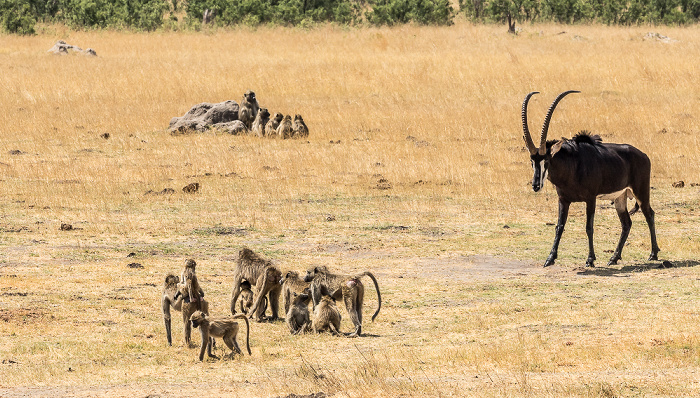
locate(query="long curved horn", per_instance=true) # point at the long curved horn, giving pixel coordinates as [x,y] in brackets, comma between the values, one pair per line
[548,118]
[526,131]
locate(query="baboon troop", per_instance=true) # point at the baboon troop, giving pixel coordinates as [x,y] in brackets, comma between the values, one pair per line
[347,287]
[259,283]
[263,275]
[297,317]
[221,327]
[284,130]
[260,122]
[248,109]
[326,316]
[174,297]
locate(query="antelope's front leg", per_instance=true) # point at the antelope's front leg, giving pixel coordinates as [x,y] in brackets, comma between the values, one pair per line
[559,230]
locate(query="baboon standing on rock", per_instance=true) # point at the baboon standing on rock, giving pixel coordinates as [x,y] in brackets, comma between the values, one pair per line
[263,275]
[248,109]
[224,327]
[347,287]
[173,298]
[292,283]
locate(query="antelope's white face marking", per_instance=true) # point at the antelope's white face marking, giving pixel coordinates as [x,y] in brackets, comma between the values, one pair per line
[540,173]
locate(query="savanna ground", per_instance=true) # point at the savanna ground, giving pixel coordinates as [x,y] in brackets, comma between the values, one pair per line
[415,169]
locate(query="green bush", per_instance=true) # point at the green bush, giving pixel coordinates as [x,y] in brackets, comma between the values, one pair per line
[17,17]
[424,12]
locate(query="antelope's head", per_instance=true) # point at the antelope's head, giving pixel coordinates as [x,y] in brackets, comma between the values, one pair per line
[540,157]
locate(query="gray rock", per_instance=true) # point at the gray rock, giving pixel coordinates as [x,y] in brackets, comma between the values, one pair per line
[204,116]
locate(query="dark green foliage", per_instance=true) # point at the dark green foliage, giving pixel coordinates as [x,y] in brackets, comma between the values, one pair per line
[17,16]
[624,12]
[424,12]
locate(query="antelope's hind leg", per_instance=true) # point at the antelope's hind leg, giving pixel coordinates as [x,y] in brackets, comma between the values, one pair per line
[626,221]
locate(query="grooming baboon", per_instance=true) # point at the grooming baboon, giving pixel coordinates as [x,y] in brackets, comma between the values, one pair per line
[292,283]
[299,127]
[347,287]
[173,298]
[298,314]
[263,275]
[260,122]
[248,109]
[247,299]
[271,126]
[326,316]
[284,130]
[223,327]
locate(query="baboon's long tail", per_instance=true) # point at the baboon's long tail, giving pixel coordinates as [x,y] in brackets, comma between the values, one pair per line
[247,331]
[379,295]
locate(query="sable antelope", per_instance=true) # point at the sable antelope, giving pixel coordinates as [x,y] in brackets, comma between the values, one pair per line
[583,169]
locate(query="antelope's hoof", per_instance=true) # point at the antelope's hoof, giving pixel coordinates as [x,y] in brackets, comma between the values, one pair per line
[549,262]
[653,256]
[589,263]
[613,260]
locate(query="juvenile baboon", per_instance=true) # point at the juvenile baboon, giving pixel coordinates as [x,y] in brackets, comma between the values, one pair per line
[284,130]
[248,109]
[298,314]
[347,287]
[263,275]
[173,298]
[292,283]
[189,279]
[260,122]
[271,126]
[326,316]
[247,299]
[299,127]
[222,327]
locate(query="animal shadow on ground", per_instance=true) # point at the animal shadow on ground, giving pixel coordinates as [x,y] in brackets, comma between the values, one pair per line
[638,268]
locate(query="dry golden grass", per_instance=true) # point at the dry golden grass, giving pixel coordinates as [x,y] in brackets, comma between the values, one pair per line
[433,111]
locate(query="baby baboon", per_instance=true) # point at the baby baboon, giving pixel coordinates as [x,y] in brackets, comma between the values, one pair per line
[326,316]
[292,283]
[284,130]
[298,314]
[173,298]
[260,122]
[248,109]
[271,126]
[247,299]
[263,275]
[224,327]
[299,127]
[347,287]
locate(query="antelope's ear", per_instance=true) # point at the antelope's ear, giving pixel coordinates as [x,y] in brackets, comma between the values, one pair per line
[557,146]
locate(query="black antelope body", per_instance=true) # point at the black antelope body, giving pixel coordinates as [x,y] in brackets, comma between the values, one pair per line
[583,169]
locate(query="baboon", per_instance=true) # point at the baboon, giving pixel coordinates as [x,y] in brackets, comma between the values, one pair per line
[347,287]
[248,109]
[299,127]
[263,275]
[260,122]
[271,126]
[298,314]
[247,299]
[284,130]
[173,298]
[191,283]
[292,283]
[326,316]
[223,327]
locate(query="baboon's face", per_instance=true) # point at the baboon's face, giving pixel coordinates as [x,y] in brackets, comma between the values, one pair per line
[264,113]
[278,117]
[297,117]
[196,318]
[310,274]
[249,96]
[289,275]
[189,263]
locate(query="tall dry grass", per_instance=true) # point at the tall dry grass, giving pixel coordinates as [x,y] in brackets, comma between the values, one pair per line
[433,111]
